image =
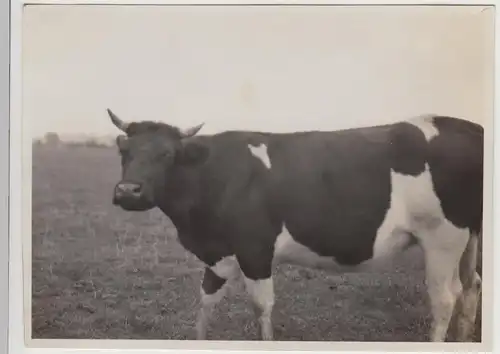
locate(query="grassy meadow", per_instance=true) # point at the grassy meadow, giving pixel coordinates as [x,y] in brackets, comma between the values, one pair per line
[100,272]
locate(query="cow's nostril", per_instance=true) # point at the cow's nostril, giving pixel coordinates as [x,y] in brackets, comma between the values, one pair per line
[135,189]
[129,188]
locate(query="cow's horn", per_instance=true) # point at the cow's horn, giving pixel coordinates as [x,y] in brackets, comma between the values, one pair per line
[117,121]
[186,133]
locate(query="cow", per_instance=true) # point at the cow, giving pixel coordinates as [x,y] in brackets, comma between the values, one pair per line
[244,201]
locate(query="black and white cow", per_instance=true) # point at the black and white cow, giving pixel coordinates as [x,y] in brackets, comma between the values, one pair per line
[244,201]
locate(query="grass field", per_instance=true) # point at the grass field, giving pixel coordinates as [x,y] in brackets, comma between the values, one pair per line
[100,272]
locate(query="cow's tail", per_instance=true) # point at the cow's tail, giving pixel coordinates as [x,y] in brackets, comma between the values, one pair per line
[469,311]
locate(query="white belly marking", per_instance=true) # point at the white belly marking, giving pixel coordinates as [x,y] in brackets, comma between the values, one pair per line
[287,250]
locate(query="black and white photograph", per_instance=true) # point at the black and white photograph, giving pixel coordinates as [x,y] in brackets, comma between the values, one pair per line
[258,173]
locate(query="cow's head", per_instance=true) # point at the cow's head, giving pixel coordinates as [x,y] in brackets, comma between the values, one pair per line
[151,152]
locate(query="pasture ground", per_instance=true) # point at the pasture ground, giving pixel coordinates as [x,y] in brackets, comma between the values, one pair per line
[100,272]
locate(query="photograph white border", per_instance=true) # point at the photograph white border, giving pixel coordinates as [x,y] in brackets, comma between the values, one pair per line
[4,173]
[20,222]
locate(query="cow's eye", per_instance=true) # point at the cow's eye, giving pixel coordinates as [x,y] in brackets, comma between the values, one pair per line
[123,150]
[163,155]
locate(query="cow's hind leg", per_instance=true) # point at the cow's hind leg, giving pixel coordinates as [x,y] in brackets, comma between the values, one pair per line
[443,245]
[468,300]
[213,289]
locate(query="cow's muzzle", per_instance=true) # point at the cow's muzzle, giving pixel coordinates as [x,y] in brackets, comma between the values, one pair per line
[131,196]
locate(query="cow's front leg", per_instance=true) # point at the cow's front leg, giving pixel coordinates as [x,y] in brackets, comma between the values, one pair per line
[255,255]
[213,289]
[261,292]
[257,275]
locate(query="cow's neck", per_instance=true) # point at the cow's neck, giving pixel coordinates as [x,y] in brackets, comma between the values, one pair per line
[180,197]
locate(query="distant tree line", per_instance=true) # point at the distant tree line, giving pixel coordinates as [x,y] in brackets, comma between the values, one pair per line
[53,139]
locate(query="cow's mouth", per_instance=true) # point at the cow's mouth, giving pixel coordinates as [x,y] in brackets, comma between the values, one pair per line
[133,204]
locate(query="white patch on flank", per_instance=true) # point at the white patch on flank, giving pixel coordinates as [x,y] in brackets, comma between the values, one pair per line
[416,209]
[260,152]
[425,124]
[287,250]
[412,199]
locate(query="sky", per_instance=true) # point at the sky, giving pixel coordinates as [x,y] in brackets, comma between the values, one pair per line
[258,68]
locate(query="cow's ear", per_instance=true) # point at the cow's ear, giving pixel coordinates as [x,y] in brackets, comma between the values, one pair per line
[193,153]
[121,142]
